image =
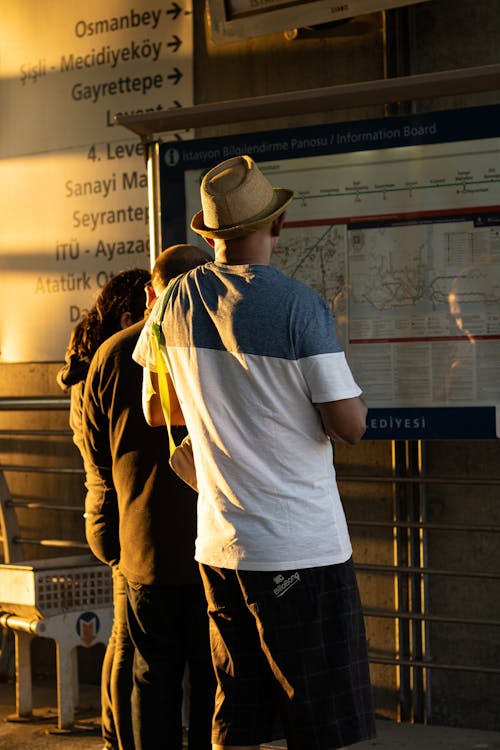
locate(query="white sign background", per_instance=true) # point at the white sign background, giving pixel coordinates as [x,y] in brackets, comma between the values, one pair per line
[74,200]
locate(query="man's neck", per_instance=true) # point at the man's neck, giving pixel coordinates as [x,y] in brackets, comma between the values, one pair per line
[255,248]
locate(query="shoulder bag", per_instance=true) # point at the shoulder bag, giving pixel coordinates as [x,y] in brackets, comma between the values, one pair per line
[181,456]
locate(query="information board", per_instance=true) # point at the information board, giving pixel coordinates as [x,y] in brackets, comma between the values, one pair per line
[396,223]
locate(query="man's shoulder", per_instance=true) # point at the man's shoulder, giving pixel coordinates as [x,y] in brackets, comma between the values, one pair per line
[122,341]
[288,292]
[116,352]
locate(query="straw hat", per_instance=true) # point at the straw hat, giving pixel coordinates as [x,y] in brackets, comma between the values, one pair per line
[237,199]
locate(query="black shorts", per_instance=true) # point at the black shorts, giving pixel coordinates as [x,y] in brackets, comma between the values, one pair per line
[290,644]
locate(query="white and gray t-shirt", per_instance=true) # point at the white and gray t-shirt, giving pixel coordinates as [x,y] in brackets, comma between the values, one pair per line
[251,352]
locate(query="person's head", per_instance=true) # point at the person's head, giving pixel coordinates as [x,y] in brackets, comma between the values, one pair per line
[238,200]
[173,261]
[120,303]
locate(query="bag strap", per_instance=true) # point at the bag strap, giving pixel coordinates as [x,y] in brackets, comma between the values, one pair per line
[161,365]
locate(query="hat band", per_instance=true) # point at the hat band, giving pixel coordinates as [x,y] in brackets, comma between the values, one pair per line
[268,210]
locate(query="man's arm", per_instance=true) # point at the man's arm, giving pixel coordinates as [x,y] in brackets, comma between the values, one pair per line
[151,401]
[344,421]
[101,502]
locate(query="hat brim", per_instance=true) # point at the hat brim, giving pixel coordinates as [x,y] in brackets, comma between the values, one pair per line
[282,197]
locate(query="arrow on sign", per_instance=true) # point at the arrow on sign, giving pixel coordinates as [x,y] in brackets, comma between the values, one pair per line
[175,76]
[175,44]
[176,9]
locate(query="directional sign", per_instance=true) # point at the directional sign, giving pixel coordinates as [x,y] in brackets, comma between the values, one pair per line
[65,76]
[76,209]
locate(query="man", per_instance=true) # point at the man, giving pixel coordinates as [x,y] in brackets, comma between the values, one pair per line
[263,387]
[141,516]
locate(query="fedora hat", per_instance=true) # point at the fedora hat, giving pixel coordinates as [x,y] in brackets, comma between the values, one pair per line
[237,199]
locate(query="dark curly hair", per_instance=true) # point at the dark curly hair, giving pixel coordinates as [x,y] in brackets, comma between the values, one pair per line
[123,293]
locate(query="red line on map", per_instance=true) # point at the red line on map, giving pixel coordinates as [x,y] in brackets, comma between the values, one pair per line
[395,217]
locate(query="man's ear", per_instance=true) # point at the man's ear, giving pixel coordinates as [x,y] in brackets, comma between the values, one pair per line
[277,225]
[210,241]
[150,296]
[126,320]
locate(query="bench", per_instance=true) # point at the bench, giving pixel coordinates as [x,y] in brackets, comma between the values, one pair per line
[68,599]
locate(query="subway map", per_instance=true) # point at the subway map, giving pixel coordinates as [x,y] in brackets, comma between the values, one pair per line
[315,255]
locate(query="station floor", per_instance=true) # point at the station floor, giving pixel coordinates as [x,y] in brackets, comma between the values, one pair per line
[42,733]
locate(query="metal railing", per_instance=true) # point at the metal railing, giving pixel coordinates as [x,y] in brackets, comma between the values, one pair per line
[11,537]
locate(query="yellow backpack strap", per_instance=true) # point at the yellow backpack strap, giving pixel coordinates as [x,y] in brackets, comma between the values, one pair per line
[161,365]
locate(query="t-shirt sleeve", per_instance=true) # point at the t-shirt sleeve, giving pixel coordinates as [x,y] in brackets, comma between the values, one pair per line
[329,378]
[144,353]
[322,361]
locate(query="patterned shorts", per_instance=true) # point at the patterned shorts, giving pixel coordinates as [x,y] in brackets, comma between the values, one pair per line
[289,650]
